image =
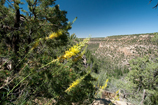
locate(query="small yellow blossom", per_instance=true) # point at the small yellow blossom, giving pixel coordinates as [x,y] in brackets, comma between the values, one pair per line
[102,87]
[74,50]
[98,84]
[80,56]
[35,45]
[106,83]
[118,99]
[59,32]
[117,91]
[55,34]
[107,80]
[117,96]
[75,83]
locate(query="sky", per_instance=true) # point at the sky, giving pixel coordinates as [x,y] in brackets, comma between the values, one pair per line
[102,18]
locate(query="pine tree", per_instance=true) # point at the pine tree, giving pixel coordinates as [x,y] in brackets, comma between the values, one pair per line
[31,42]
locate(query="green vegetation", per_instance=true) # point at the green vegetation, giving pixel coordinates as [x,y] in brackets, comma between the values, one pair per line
[93,47]
[50,66]
[144,76]
[45,61]
[137,81]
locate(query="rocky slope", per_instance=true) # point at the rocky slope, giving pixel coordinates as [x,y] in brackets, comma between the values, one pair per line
[124,48]
[120,50]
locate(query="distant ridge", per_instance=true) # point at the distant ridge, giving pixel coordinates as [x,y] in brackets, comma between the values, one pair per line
[125,35]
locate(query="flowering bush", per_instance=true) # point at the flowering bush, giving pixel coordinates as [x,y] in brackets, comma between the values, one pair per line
[46,62]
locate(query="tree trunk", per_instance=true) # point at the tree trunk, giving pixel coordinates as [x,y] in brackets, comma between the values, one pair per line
[15,41]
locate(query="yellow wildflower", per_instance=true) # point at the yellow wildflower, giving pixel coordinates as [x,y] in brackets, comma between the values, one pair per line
[117,96]
[106,83]
[55,34]
[107,80]
[80,56]
[102,87]
[35,45]
[117,91]
[59,32]
[75,83]
[74,50]
[105,86]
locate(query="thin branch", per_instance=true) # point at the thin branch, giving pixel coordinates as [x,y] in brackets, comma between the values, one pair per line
[5,27]
[143,97]
[34,9]
[155,6]
[7,83]
[150,1]
[23,17]
[9,4]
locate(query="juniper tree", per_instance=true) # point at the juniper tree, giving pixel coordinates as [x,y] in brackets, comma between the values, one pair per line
[144,76]
[25,39]
[34,27]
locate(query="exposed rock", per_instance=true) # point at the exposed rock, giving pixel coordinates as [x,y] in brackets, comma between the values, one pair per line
[6,62]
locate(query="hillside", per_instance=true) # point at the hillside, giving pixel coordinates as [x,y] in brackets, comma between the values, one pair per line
[122,48]
[114,54]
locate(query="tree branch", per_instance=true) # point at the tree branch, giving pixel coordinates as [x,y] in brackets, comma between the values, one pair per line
[34,9]
[143,97]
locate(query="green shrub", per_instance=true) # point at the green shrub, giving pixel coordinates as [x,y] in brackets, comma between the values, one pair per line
[144,75]
[45,60]
[155,39]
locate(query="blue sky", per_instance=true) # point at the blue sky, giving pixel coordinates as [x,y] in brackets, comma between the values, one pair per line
[101,18]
